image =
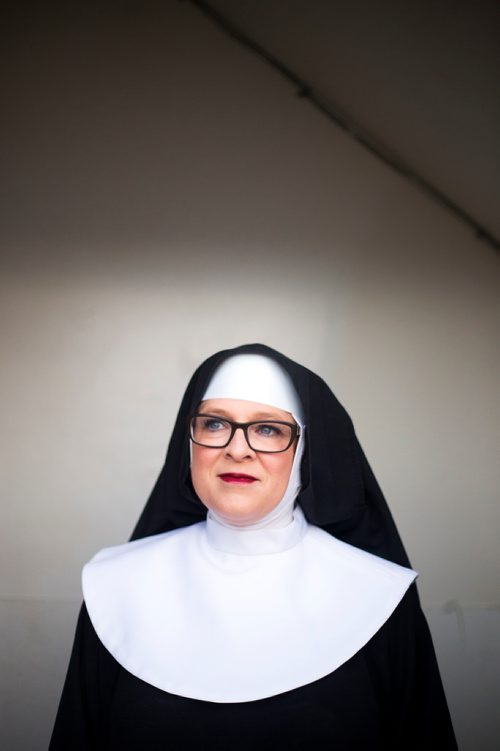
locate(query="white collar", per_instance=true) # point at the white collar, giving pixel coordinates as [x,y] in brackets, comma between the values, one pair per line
[251,541]
[188,614]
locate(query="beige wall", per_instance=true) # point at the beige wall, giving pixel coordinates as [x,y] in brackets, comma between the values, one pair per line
[167,196]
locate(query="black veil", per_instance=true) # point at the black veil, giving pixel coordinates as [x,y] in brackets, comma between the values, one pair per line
[339,491]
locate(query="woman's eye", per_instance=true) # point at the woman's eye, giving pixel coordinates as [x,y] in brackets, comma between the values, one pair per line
[268,431]
[213,425]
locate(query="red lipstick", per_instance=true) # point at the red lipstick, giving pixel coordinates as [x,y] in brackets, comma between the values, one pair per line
[238,478]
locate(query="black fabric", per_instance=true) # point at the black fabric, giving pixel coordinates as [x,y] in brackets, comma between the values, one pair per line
[339,491]
[388,696]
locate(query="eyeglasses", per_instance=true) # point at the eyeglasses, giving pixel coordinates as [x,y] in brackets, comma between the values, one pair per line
[266,437]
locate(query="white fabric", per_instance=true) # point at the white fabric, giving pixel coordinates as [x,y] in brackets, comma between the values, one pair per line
[250,540]
[188,614]
[257,378]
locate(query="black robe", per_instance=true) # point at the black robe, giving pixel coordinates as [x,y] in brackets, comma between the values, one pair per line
[387,696]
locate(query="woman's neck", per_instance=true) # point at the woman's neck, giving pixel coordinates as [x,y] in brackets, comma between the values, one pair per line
[257,540]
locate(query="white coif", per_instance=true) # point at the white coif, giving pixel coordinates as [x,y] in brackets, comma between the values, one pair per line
[255,378]
[206,615]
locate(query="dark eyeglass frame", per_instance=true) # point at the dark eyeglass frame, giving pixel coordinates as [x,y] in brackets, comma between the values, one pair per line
[244,427]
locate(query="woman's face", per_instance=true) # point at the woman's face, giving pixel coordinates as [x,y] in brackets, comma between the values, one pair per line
[240,484]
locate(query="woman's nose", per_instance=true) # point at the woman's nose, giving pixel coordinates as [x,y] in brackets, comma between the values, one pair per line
[238,447]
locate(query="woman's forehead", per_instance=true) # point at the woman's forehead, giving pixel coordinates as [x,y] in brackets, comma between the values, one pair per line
[242,410]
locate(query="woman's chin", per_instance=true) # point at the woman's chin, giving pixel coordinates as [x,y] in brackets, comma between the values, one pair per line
[238,513]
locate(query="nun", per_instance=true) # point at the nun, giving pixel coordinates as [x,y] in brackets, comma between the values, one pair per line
[265,599]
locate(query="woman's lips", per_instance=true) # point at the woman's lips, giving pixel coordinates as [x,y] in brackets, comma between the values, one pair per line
[237,477]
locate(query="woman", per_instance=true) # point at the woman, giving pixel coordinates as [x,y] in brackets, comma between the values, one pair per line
[285,618]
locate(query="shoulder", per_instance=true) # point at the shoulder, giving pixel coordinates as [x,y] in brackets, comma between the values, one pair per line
[134,567]
[144,547]
[353,562]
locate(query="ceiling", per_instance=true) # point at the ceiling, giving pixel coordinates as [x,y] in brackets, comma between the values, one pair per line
[420,80]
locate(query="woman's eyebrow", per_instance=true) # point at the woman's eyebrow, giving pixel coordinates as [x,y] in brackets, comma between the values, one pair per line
[256,415]
[267,416]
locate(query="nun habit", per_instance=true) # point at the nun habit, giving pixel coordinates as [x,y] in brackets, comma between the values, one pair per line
[304,631]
